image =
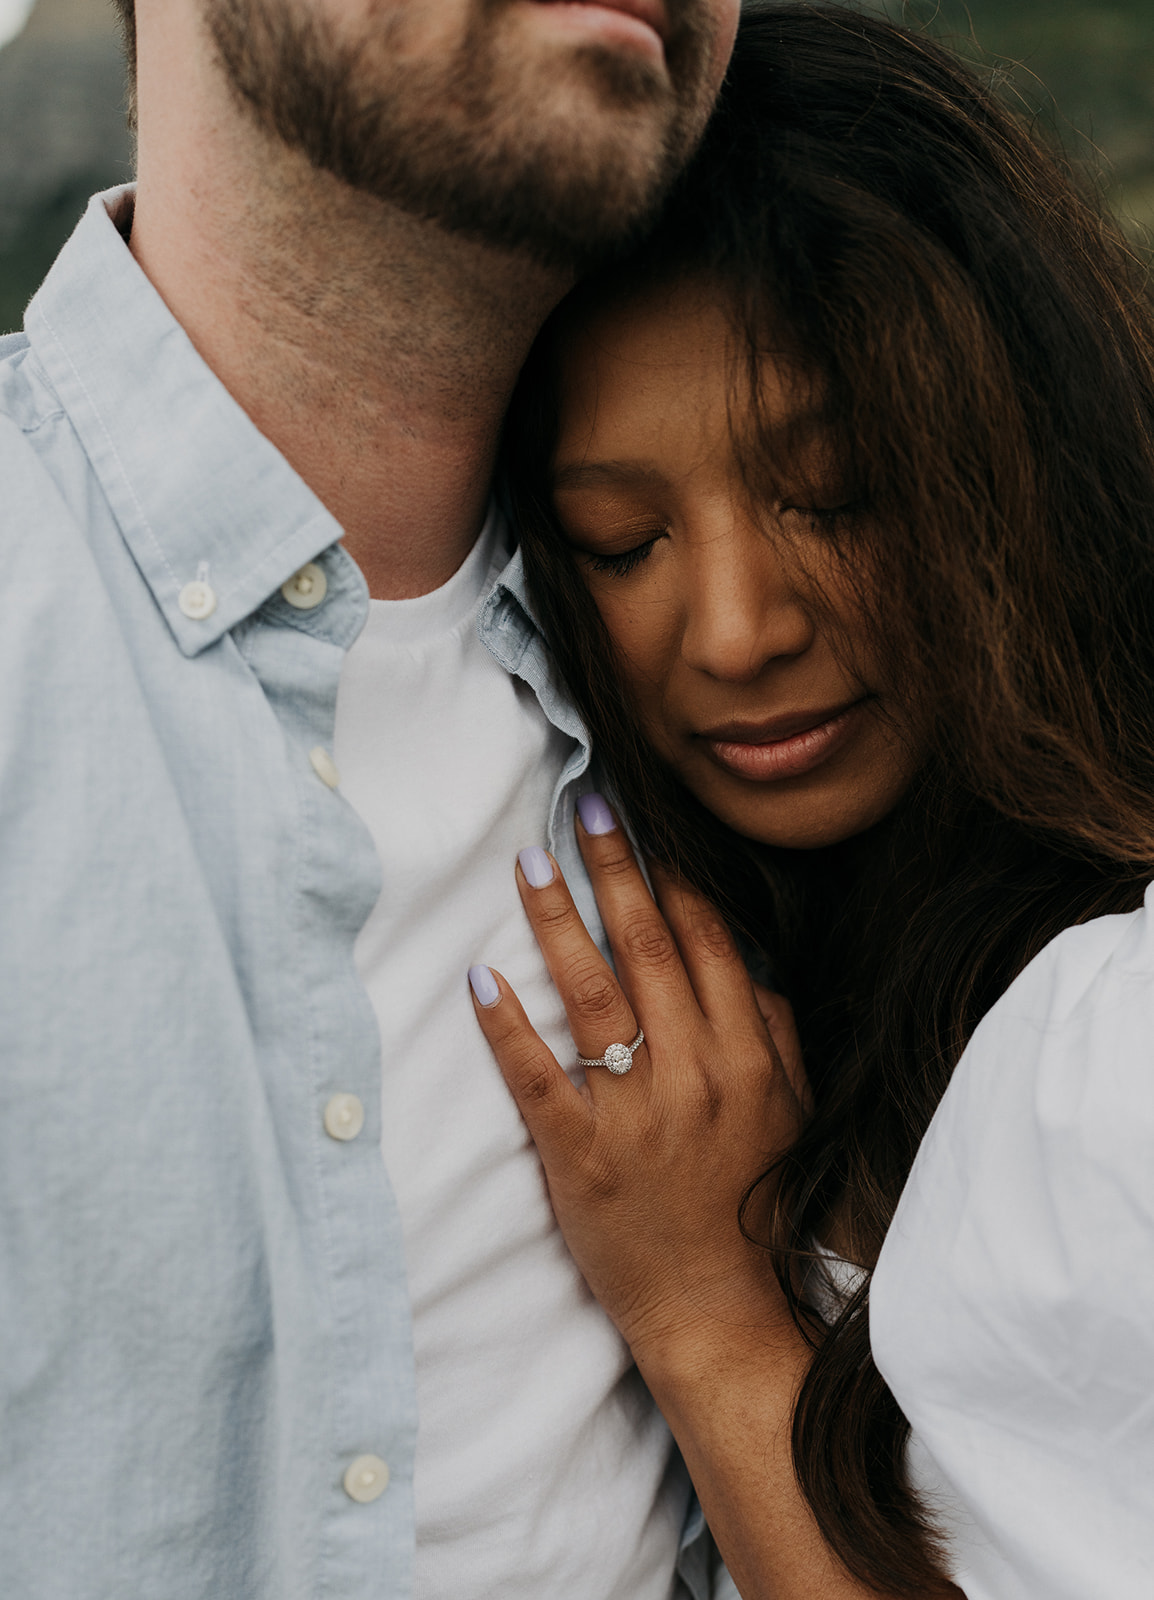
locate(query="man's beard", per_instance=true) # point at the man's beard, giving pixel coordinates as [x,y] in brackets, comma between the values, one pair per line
[467,140]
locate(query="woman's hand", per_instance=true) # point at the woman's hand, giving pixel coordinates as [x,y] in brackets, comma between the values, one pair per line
[648,1171]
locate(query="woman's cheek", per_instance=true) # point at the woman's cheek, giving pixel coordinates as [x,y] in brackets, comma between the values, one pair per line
[651,684]
[642,645]
[643,626]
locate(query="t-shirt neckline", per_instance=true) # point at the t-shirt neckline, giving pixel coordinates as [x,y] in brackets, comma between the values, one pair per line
[427,616]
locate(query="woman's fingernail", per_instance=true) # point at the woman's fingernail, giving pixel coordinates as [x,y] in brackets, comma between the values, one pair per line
[484,986]
[536,866]
[595,815]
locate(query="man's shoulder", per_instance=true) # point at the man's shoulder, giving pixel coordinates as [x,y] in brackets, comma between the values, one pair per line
[42,464]
[25,399]
[48,498]
[27,403]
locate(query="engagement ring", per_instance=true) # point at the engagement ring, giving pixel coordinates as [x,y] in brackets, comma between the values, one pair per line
[618,1058]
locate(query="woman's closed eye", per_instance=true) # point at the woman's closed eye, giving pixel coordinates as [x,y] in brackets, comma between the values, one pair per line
[823,518]
[620,563]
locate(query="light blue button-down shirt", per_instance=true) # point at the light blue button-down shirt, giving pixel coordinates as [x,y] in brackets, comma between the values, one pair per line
[203,1313]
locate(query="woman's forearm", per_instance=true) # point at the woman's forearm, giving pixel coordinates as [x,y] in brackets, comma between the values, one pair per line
[728,1395]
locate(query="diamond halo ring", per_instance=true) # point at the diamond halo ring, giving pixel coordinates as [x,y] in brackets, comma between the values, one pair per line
[618,1058]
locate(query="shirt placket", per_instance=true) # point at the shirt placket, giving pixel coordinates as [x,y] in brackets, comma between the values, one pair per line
[350,1226]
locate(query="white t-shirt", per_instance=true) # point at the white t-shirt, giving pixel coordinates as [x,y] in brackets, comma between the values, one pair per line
[543,1469]
[1012,1307]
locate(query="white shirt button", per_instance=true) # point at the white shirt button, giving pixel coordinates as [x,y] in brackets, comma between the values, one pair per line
[366,1479]
[306,588]
[344,1116]
[324,767]
[197,600]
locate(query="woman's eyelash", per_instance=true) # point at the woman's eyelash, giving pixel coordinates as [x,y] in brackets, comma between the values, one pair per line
[618,566]
[826,516]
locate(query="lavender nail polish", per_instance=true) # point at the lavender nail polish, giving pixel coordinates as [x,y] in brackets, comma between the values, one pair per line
[484,986]
[595,815]
[536,866]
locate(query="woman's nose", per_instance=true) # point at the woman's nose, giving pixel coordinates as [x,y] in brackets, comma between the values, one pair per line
[742,609]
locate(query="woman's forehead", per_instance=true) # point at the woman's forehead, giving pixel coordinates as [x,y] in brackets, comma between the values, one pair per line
[673,358]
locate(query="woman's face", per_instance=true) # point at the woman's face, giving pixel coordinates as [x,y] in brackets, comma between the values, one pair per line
[740,635]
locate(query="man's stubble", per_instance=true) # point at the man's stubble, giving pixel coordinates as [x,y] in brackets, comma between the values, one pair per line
[562,170]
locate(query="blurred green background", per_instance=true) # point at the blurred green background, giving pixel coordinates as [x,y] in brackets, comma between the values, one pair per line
[1084,71]
[62,136]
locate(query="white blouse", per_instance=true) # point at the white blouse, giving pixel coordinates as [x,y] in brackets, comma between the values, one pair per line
[1012,1308]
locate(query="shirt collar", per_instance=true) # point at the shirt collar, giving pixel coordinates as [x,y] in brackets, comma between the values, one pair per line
[197,489]
[510,632]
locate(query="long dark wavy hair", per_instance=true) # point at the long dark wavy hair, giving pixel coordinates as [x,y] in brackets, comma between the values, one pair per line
[982,340]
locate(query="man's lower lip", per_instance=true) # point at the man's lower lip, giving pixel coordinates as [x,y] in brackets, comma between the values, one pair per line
[605,25]
[786,758]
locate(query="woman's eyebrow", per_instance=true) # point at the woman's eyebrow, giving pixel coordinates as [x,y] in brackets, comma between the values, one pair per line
[591,474]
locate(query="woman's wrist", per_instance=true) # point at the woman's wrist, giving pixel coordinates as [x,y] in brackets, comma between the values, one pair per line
[712,1344]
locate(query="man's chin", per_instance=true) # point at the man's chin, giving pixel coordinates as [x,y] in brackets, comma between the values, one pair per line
[510,136]
[632,31]
[618,78]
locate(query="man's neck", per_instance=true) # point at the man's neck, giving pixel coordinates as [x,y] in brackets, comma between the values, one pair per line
[373,349]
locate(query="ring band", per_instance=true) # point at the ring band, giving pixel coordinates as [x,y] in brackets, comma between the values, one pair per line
[618,1058]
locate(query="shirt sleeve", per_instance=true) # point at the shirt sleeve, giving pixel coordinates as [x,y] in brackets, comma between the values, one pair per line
[701,1573]
[1012,1309]
[724,1587]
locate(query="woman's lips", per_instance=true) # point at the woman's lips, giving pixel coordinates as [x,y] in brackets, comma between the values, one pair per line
[785,747]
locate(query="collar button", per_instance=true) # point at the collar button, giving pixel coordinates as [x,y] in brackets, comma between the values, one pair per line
[306,588]
[197,600]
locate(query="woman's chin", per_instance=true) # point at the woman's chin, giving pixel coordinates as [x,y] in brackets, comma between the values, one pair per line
[801,820]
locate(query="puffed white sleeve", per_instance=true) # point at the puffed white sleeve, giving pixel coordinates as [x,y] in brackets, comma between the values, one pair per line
[1012,1308]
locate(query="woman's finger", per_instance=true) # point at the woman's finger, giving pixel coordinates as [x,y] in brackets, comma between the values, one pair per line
[599,1013]
[556,1113]
[644,950]
[712,960]
[778,1014]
